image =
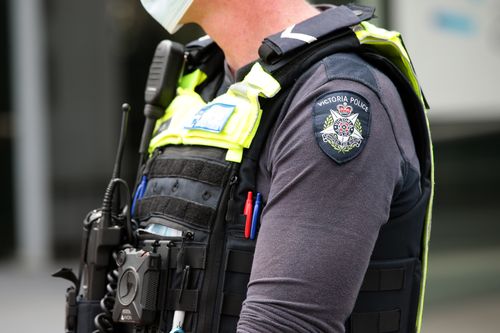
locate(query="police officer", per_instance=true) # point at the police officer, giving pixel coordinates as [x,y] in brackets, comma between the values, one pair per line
[339,165]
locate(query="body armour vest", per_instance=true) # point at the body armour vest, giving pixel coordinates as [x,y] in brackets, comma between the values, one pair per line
[191,210]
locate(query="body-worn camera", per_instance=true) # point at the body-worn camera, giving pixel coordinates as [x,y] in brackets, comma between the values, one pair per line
[137,287]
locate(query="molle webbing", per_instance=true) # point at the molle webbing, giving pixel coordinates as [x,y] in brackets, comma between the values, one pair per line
[185,184]
[199,170]
[194,191]
[177,208]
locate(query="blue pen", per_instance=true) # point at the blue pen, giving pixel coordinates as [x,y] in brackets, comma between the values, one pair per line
[139,193]
[255,216]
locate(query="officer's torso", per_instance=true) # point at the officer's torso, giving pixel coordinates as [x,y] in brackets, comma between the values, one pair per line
[195,197]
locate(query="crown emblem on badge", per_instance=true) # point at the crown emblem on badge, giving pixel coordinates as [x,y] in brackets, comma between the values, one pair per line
[344,110]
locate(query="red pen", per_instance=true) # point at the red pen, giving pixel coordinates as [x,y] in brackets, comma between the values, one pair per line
[247,211]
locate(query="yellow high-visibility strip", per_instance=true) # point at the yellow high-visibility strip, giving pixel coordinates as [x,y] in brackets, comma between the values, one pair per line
[389,44]
[427,236]
[238,130]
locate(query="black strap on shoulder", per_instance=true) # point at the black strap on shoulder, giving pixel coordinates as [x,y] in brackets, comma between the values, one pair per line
[293,51]
[206,55]
[201,52]
[290,54]
[287,69]
[276,47]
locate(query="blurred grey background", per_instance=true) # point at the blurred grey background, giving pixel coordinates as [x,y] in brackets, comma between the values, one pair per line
[66,66]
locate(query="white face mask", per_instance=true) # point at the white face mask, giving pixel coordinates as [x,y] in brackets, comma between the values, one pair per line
[167,12]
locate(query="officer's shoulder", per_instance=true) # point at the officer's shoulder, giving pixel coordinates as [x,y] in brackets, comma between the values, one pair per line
[342,111]
[351,66]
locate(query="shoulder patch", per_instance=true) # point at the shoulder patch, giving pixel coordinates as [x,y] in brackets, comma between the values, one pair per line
[341,121]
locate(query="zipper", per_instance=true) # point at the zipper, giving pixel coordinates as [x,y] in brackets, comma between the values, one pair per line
[231,204]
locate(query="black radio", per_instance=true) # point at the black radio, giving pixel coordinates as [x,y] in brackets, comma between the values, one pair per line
[102,295]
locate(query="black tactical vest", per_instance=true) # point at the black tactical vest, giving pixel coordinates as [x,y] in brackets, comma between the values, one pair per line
[202,264]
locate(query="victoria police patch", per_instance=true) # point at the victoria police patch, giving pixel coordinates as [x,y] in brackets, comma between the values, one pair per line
[341,122]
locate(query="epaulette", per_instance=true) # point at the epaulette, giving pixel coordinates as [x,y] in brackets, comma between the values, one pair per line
[300,46]
[312,31]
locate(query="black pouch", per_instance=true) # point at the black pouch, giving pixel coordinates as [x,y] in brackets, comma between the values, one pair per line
[386,302]
[237,264]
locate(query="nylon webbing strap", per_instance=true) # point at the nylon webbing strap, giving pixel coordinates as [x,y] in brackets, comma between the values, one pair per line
[384,279]
[177,208]
[195,257]
[187,302]
[200,170]
[187,189]
[231,304]
[376,322]
[286,69]
[311,30]
[239,262]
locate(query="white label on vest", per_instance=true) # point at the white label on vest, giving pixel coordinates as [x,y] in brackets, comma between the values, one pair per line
[212,117]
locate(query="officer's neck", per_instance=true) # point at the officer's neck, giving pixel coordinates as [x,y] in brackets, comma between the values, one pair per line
[239,29]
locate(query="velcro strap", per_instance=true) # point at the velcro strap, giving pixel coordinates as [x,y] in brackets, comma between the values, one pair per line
[239,262]
[200,170]
[231,304]
[384,279]
[188,301]
[186,189]
[376,322]
[195,257]
[184,210]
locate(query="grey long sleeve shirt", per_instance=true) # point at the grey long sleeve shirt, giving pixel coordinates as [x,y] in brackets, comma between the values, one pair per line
[322,218]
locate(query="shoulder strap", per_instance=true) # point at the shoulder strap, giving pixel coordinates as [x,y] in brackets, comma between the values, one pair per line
[301,46]
[205,55]
[278,47]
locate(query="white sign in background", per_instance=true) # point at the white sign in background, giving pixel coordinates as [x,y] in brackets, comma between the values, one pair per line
[455,47]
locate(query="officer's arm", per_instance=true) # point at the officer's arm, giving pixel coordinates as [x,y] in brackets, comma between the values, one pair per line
[324,210]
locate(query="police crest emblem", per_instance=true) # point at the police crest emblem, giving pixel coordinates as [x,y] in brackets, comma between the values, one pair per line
[341,124]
